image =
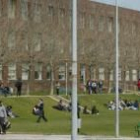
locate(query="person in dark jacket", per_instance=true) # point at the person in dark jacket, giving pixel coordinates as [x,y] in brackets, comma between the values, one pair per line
[18,85]
[41,111]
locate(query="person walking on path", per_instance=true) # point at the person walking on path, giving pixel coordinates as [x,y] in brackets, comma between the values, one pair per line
[41,111]
[18,86]
[3,118]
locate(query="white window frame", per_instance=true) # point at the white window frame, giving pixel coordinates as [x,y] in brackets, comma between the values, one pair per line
[127,75]
[37,42]
[111,77]
[110,24]
[101,73]
[11,8]
[61,72]
[91,21]
[37,12]
[12,71]
[11,40]
[134,75]
[24,9]
[48,72]
[38,70]
[25,71]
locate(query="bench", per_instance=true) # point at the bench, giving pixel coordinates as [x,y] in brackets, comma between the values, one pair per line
[137,129]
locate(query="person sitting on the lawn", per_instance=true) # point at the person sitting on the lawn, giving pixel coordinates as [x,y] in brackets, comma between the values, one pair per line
[94,110]
[10,112]
[60,106]
[85,110]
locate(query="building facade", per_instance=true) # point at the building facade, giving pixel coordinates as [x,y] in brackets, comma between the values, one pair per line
[35,43]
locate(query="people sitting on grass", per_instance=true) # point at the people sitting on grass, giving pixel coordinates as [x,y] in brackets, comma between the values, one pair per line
[60,106]
[85,110]
[10,112]
[123,105]
[94,110]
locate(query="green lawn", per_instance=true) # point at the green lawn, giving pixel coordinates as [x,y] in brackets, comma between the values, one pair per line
[60,122]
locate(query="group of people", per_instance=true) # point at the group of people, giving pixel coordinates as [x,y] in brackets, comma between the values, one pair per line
[94,86]
[5,89]
[68,107]
[123,104]
[38,110]
[62,106]
[94,110]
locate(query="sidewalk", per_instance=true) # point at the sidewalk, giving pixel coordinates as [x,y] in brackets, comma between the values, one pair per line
[58,137]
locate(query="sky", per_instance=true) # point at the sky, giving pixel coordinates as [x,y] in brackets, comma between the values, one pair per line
[129,4]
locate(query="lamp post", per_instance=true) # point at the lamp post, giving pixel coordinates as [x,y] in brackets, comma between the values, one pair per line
[66,78]
[74,70]
[117,74]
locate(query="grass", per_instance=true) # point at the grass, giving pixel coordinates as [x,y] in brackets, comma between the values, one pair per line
[60,122]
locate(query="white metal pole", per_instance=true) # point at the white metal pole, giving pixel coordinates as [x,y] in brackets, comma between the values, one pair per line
[117,73]
[66,78]
[74,70]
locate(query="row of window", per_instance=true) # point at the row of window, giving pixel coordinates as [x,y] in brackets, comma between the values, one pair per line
[38,70]
[104,23]
[13,39]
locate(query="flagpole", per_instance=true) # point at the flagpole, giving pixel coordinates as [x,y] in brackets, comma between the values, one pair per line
[74,70]
[117,72]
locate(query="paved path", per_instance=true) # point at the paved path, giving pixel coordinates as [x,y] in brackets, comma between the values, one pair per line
[58,137]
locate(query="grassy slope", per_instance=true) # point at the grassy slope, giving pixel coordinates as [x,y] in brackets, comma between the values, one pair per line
[105,122]
[60,122]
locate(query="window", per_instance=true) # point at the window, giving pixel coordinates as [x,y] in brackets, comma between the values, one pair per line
[24,40]
[61,74]
[70,17]
[11,8]
[91,71]
[134,29]
[11,40]
[48,74]
[12,71]
[82,20]
[82,73]
[101,74]
[0,71]
[120,75]
[37,42]
[91,22]
[24,9]
[62,12]
[110,24]
[37,12]
[101,23]
[111,75]
[61,17]
[50,10]
[134,75]
[25,71]
[38,71]
[127,76]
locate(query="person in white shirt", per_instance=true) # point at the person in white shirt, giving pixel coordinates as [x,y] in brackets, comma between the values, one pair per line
[3,118]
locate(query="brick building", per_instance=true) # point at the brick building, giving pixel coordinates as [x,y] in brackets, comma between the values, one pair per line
[35,43]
